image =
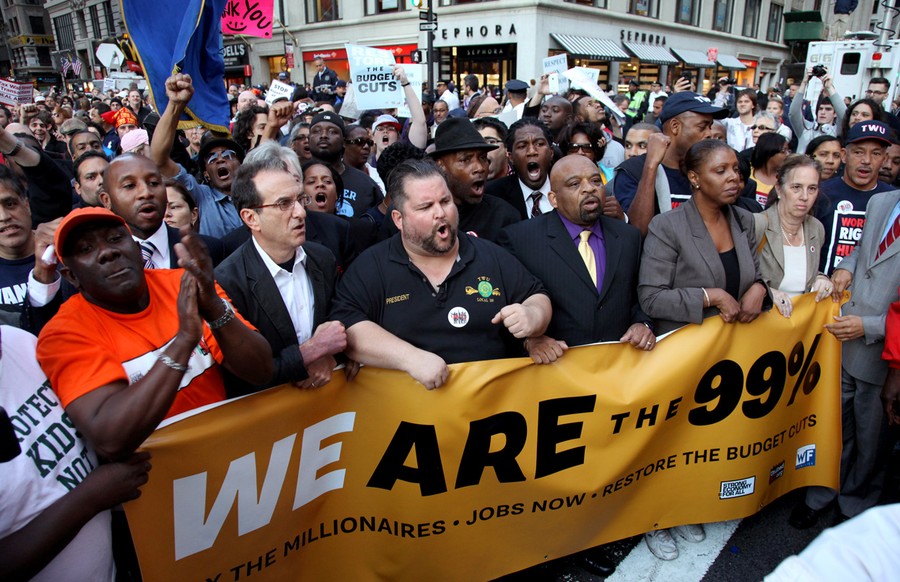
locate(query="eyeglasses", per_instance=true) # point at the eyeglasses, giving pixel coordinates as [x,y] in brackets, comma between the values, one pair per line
[492,141]
[223,155]
[360,141]
[285,204]
[300,138]
[871,92]
[584,147]
[762,128]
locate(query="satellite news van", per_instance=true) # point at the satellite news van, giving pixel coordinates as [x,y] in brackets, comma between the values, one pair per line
[852,62]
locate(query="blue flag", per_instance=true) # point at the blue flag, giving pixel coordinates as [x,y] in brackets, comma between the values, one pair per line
[182,36]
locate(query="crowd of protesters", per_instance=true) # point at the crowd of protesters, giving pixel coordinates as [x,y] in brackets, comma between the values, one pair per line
[164,266]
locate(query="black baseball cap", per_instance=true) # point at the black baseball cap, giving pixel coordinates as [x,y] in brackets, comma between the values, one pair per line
[678,103]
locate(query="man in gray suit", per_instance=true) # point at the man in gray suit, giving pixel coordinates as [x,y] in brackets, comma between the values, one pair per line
[872,272]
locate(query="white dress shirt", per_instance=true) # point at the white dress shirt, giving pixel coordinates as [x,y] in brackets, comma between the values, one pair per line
[544,203]
[160,242]
[295,290]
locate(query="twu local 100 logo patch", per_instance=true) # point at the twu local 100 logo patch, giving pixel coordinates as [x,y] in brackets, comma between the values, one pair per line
[485,291]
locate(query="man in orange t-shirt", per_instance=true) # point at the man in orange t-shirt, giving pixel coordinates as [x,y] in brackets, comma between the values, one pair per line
[132,348]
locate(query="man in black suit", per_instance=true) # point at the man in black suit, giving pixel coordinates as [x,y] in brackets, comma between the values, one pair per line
[133,188]
[590,303]
[280,282]
[587,307]
[530,149]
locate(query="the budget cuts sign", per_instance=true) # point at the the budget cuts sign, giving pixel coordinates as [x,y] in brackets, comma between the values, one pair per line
[372,76]
[507,465]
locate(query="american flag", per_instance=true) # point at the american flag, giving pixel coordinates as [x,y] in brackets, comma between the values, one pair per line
[66,65]
[76,66]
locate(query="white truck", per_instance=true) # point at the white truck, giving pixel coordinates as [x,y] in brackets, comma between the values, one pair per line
[852,62]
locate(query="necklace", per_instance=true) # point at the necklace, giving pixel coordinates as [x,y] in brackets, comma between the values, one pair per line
[787,238]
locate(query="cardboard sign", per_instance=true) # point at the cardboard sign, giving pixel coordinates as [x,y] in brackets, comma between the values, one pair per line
[372,76]
[248,17]
[415,74]
[557,64]
[579,77]
[13,93]
[278,90]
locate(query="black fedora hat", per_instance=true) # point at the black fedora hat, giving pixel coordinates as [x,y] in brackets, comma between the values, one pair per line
[456,134]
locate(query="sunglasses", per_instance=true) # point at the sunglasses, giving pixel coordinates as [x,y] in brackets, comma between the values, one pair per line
[360,141]
[761,128]
[223,155]
[584,147]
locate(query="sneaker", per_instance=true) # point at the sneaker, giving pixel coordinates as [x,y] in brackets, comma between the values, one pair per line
[661,544]
[693,533]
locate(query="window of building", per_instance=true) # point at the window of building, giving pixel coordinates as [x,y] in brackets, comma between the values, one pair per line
[37,25]
[110,24]
[387,6]
[688,12]
[322,10]
[722,15]
[773,31]
[751,17]
[44,59]
[594,3]
[65,32]
[95,21]
[644,8]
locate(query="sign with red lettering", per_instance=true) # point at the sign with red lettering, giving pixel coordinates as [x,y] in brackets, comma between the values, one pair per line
[845,234]
[248,17]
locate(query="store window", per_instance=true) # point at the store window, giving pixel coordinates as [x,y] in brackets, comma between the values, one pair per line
[751,17]
[95,21]
[688,12]
[644,8]
[722,15]
[773,32]
[322,10]
[386,6]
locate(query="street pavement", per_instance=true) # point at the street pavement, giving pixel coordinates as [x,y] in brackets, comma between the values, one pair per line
[734,551]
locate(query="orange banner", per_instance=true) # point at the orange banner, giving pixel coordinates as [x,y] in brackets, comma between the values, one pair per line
[508,465]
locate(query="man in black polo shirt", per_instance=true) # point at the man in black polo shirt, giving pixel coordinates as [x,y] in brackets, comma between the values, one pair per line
[430,297]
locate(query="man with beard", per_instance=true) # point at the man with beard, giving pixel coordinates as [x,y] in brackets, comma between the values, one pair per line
[218,159]
[462,154]
[427,298]
[891,166]
[326,142]
[529,144]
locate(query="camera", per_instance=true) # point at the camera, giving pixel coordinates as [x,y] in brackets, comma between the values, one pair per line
[728,81]
[819,71]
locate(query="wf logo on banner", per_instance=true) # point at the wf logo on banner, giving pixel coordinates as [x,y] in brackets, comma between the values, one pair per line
[248,17]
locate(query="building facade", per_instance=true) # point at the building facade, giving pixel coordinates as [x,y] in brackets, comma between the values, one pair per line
[503,39]
[29,43]
[78,27]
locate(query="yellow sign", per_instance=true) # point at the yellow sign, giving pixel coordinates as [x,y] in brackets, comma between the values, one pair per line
[508,465]
[31,40]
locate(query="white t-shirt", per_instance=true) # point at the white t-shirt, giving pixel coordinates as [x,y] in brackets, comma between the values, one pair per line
[52,462]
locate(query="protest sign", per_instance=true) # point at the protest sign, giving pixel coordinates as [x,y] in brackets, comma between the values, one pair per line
[580,77]
[278,90]
[372,76]
[415,74]
[248,17]
[13,93]
[380,478]
[557,64]
[109,84]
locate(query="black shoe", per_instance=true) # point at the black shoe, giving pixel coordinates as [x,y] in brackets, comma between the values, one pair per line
[596,562]
[803,516]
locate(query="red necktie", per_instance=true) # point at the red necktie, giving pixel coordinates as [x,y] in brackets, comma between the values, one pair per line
[535,203]
[889,238]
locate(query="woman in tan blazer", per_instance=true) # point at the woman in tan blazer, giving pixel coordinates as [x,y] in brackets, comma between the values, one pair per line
[789,239]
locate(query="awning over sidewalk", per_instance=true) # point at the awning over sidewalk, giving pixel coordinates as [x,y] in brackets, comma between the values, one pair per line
[590,47]
[693,58]
[651,53]
[730,62]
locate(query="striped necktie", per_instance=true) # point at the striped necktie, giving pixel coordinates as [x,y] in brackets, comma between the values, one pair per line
[892,235]
[147,249]
[536,203]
